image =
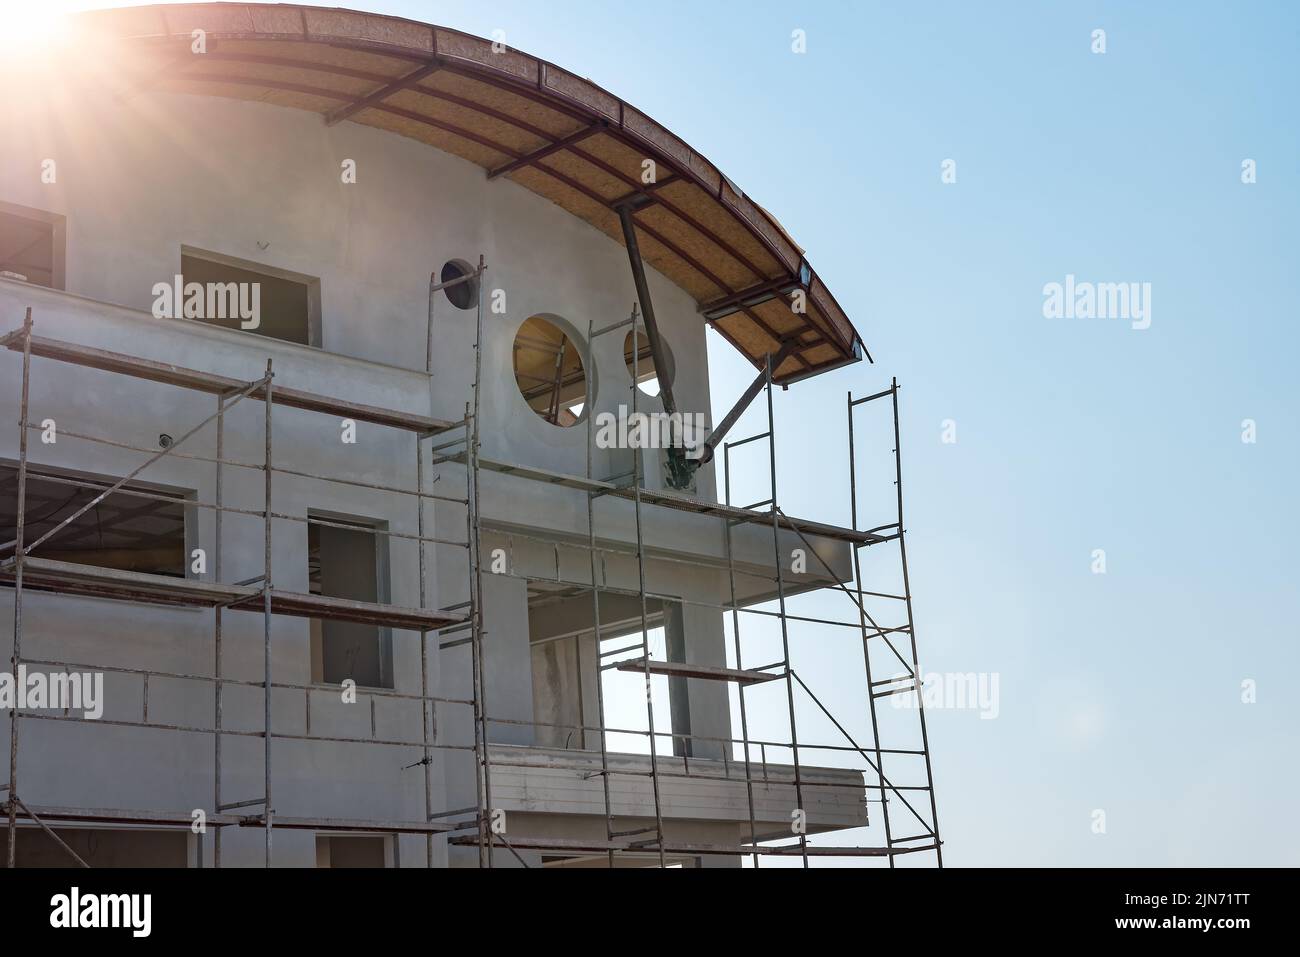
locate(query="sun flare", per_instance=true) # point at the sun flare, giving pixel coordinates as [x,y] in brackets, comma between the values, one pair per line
[31,28]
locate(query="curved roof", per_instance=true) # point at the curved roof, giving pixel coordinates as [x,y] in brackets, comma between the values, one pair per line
[519,118]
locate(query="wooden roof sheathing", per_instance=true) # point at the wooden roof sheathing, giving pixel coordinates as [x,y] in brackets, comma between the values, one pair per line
[548,130]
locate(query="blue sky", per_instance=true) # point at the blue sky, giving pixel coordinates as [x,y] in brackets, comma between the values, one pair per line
[1121,691]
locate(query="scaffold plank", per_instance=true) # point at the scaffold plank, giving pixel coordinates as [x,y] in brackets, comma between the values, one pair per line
[91,580]
[184,378]
[595,846]
[679,501]
[678,669]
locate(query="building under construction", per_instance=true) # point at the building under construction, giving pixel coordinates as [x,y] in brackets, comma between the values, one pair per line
[315,323]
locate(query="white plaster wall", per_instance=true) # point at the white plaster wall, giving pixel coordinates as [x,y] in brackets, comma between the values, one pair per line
[138,178]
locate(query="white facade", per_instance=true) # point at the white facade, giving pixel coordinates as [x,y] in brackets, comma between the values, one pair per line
[140,178]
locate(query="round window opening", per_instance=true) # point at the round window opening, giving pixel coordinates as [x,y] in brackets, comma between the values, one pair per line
[463,295]
[641,366]
[550,373]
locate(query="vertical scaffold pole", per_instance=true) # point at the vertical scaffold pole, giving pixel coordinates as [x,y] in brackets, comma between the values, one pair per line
[911,627]
[862,624]
[785,631]
[425,754]
[217,624]
[595,595]
[735,634]
[640,567]
[475,694]
[476,564]
[427,713]
[266,617]
[17,655]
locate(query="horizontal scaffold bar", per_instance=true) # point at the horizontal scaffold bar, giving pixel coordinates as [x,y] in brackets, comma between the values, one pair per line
[181,377]
[676,500]
[597,846]
[73,579]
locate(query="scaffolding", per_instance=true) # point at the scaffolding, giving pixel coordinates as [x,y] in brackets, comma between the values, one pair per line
[439,445]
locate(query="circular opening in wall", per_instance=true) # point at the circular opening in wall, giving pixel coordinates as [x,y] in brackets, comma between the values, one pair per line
[550,372]
[463,295]
[646,375]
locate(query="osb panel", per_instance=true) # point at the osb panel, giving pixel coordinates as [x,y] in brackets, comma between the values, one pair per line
[537,115]
[821,354]
[129,22]
[298,101]
[709,174]
[439,139]
[776,313]
[818,319]
[368,28]
[278,20]
[727,268]
[375,65]
[211,17]
[568,198]
[581,91]
[505,134]
[345,86]
[637,122]
[756,218]
[659,256]
[747,335]
[826,305]
[234,91]
[619,155]
[790,366]
[706,210]
[593,177]
[477,50]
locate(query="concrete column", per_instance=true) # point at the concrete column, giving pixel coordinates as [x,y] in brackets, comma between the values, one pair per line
[697,706]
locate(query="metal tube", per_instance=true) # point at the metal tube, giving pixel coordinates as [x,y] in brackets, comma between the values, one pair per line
[735,634]
[595,608]
[475,698]
[862,620]
[57,840]
[118,484]
[637,478]
[907,591]
[425,755]
[266,616]
[780,593]
[19,552]
[648,311]
[217,632]
[476,567]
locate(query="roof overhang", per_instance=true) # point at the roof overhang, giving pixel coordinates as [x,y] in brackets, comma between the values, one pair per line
[519,118]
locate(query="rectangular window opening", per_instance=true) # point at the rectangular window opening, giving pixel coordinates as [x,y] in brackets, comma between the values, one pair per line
[138,528]
[566,666]
[351,851]
[99,847]
[347,558]
[32,245]
[287,303]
